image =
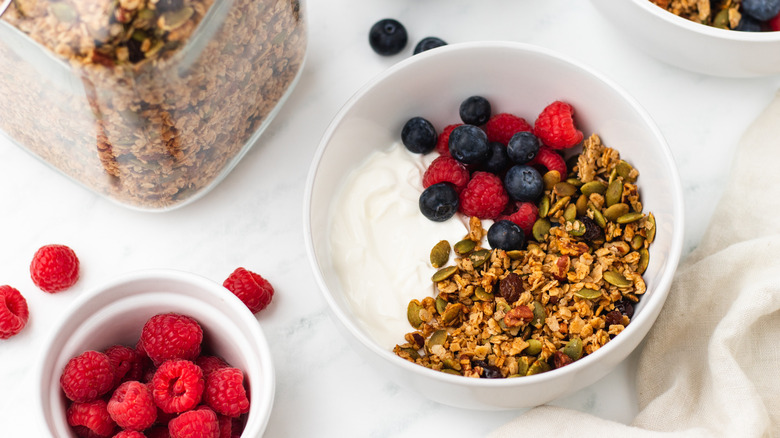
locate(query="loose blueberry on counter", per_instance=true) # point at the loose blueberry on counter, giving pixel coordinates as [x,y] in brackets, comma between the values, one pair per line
[475,110]
[523,147]
[418,135]
[498,160]
[439,202]
[387,37]
[761,10]
[523,183]
[506,235]
[468,144]
[428,43]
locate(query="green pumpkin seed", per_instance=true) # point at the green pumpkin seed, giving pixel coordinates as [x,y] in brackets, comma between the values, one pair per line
[449,371]
[629,217]
[523,364]
[650,227]
[597,216]
[444,273]
[588,294]
[570,213]
[624,170]
[534,347]
[481,295]
[538,367]
[573,349]
[637,242]
[465,246]
[550,179]
[578,228]
[612,176]
[174,19]
[614,192]
[614,212]
[411,352]
[544,206]
[540,314]
[616,279]
[440,254]
[413,313]
[439,337]
[478,258]
[564,189]
[451,313]
[574,181]
[559,204]
[582,205]
[644,259]
[451,363]
[721,20]
[63,11]
[515,254]
[589,188]
[540,229]
[440,304]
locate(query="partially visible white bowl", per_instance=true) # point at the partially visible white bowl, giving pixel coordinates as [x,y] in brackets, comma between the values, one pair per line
[115,313]
[693,46]
[520,79]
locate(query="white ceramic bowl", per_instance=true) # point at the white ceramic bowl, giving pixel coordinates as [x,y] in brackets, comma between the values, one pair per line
[693,46]
[516,78]
[115,313]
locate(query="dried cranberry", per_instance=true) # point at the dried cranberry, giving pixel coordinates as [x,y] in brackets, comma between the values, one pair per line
[593,232]
[510,287]
[134,50]
[625,307]
[560,359]
[488,371]
[613,318]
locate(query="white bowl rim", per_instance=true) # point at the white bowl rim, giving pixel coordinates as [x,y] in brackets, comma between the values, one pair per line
[239,308]
[652,306]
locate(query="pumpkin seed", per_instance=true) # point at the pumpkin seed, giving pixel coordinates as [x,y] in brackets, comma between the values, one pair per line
[523,364]
[451,363]
[588,294]
[589,188]
[539,314]
[612,176]
[564,189]
[624,170]
[439,337]
[174,19]
[413,313]
[615,211]
[63,11]
[637,242]
[644,259]
[629,217]
[650,227]
[478,258]
[411,352]
[573,348]
[534,347]
[544,206]
[440,304]
[451,313]
[559,205]
[482,295]
[574,181]
[440,254]
[597,216]
[721,19]
[550,179]
[449,371]
[570,213]
[540,229]
[538,367]
[515,254]
[578,228]
[614,192]
[465,246]
[582,205]
[444,273]
[616,279]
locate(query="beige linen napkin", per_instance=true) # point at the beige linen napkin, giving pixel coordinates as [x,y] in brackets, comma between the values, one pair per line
[711,363]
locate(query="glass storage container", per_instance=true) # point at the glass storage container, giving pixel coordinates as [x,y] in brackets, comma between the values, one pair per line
[148,102]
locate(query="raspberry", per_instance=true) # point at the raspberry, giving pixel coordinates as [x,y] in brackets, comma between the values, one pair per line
[225,392]
[501,127]
[90,419]
[177,386]
[225,426]
[484,196]
[130,434]
[443,142]
[127,362]
[555,126]
[54,268]
[208,364]
[253,290]
[446,169]
[159,431]
[200,423]
[13,312]
[132,406]
[524,214]
[171,336]
[87,376]
[551,160]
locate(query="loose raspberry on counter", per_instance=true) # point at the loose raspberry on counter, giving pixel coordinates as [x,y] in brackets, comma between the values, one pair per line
[208,364]
[131,434]
[54,268]
[550,160]
[177,386]
[87,376]
[13,312]
[484,196]
[446,169]
[225,392]
[252,289]
[199,423]
[127,363]
[171,336]
[555,126]
[501,127]
[90,419]
[132,406]
[443,142]
[524,214]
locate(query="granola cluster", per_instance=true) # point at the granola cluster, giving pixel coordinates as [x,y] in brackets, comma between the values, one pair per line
[719,13]
[148,102]
[515,313]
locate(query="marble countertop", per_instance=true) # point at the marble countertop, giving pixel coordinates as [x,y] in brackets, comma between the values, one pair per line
[254,218]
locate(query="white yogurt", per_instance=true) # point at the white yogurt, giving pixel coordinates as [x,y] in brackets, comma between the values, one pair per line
[381,243]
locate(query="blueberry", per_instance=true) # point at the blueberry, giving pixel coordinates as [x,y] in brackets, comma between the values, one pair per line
[439,202]
[749,24]
[523,183]
[387,37]
[523,147]
[475,110]
[761,10]
[419,135]
[506,235]
[498,160]
[468,144]
[428,43]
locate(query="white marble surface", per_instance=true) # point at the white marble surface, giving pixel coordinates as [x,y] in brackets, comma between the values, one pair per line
[254,218]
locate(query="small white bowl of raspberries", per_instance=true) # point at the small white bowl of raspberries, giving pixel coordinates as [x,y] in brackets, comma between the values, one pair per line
[156,353]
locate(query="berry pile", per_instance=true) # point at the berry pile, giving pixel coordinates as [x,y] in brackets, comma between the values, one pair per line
[162,387]
[491,165]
